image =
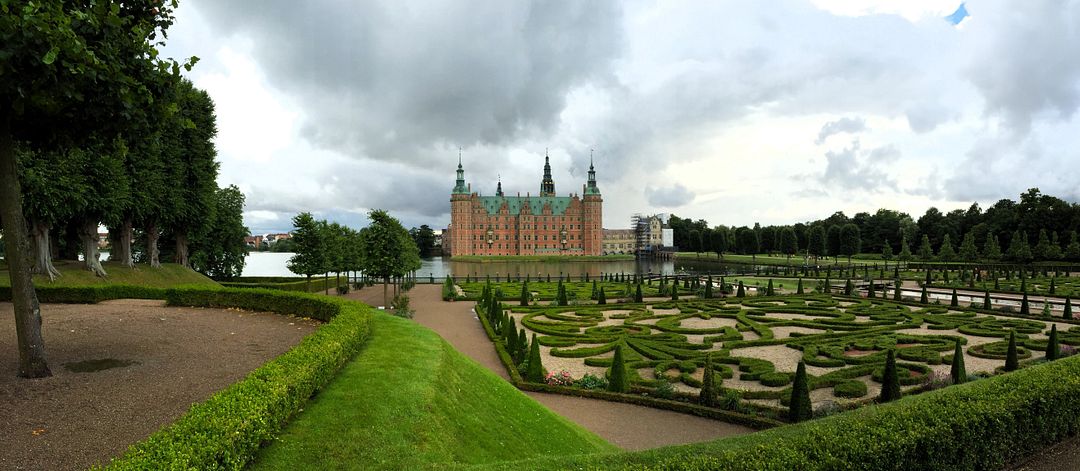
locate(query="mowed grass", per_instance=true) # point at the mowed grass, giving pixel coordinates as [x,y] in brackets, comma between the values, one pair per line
[73,274]
[410,401]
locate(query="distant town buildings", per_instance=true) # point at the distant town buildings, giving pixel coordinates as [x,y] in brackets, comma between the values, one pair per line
[256,242]
[647,235]
[544,224]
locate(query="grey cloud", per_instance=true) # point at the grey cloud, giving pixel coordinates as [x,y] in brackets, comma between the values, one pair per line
[842,125]
[1024,63]
[854,168]
[669,197]
[396,82]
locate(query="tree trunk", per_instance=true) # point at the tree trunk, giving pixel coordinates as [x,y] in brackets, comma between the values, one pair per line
[182,249]
[121,251]
[91,258]
[42,250]
[70,235]
[152,254]
[385,301]
[32,361]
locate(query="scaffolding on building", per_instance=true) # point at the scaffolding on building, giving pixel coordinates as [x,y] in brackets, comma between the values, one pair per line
[641,235]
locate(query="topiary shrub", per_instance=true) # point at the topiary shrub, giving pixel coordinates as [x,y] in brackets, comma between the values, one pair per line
[707,394]
[775,379]
[958,373]
[534,372]
[1053,349]
[800,408]
[1012,363]
[890,386]
[850,389]
[618,382]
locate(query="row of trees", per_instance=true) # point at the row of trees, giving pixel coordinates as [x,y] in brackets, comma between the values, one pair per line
[1037,227]
[383,249]
[103,130]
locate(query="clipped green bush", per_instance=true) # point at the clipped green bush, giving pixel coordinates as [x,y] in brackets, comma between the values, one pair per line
[618,381]
[1012,363]
[957,372]
[890,386]
[535,370]
[1053,349]
[850,389]
[800,408]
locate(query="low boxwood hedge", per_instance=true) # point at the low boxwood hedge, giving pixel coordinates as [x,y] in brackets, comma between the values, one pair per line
[88,294]
[288,284]
[225,431]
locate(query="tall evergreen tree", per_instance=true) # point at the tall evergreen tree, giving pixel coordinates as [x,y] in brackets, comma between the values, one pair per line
[905,249]
[992,249]
[1025,308]
[1012,362]
[799,290]
[897,292]
[601,298]
[618,382]
[311,257]
[986,300]
[968,251]
[954,302]
[1067,314]
[637,294]
[707,394]
[524,300]
[958,373]
[800,408]
[1053,349]
[890,387]
[926,252]
[535,371]
[946,252]
[741,293]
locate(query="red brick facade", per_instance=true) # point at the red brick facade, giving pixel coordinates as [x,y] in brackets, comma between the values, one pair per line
[526,225]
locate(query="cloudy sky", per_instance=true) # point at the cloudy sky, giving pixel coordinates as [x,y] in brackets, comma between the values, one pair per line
[731,111]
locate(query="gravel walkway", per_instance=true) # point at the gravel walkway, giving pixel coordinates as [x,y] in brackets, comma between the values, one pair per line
[178,356]
[628,426]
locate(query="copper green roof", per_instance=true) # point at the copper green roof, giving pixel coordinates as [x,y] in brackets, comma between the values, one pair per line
[536,203]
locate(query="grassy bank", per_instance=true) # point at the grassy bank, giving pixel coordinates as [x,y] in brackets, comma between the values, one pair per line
[73,274]
[540,258]
[411,401]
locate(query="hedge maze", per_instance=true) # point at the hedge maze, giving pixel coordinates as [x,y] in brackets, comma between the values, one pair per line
[755,344]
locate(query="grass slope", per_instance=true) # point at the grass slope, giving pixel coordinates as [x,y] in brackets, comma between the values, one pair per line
[73,274]
[408,401]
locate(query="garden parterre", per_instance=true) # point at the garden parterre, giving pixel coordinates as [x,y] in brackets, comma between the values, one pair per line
[757,342]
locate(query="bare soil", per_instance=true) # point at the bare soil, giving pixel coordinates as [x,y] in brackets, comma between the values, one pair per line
[144,366]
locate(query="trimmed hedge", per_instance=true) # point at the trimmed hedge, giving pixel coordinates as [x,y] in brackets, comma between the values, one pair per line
[318,284]
[985,424]
[225,431]
[89,294]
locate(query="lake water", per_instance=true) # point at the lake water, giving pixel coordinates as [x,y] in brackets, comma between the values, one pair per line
[273,264]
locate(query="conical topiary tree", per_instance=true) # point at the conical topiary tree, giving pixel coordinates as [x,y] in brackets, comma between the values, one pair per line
[708,288]
[1067,314]
[954,302]
[897,294]
[1053,287]
[525,294]
[958,372]
[741,292]
[1053,349]
[826,287]
[561,296]
[535,372]
[523,346]
[770,291]
[1025,309]
[800,408]
[924,298]
[849,287]
[870,293]
[799,290]
[637,294]
[1012,361]
[986,300]
[618,382]
[600,297]
[890,380]
[707,395]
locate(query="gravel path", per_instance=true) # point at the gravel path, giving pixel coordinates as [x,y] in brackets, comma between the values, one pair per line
[628,426]
[179,356]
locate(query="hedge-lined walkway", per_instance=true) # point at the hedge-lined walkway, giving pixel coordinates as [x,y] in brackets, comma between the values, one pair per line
[182,356]
[628,426]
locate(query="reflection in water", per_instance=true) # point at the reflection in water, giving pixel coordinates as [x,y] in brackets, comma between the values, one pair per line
[273,264]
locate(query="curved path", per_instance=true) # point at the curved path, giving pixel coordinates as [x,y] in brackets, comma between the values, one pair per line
[628,426]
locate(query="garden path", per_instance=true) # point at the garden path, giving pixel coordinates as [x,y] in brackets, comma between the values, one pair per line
[627,426]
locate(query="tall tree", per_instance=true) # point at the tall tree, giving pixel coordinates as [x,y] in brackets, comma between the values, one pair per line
[311,257]
[850,240]
[789,242]
[719,241]
[905,249]
[388,250]
[968,251]
[815,245]
[424,237]
[832,241]
[992,249]
[219,251]
[946,252]
[52,187]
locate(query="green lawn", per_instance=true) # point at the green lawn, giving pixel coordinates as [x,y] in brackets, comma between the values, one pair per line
[410,401]
[73,274]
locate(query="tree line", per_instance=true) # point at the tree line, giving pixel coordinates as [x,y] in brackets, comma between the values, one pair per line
[1038,227]
[97,128]
[383,250]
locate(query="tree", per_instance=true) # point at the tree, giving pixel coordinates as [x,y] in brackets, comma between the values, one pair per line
[946,251]
[815,241]
[1012,362]
[618,382]
[719,242]
[850,240]
[986,300]
[219,251]
[1019,250]
[800,408]
[708,294]
[190,158]
[958,373]
[1043,251]
[52,186]
[707,394]
[890,379]
[789,242]
[424,237]
[1053,350]
[741,293]
[675,291]
[905,250]
[954,302]
[535,371]
[1072,251]
[524,294]
[968,251]
[601,298]
[992,249]
[926,252]
[1025,308]
[388,250]
[637,294]
[832,240]
[311,257]
[800,290]
[1067,314]
[886,251]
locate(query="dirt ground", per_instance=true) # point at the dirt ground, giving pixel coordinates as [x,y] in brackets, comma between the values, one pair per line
[174,357]
[627,426]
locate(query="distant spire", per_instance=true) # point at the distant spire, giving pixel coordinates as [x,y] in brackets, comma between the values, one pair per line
[590,188]
[498,190]
[459,186]
[459,157]
[547,185]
